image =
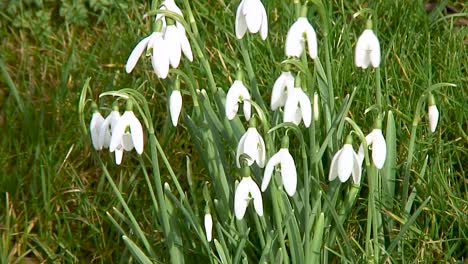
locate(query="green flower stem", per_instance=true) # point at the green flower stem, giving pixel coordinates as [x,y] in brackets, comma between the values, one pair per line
[250,72]
[378,91]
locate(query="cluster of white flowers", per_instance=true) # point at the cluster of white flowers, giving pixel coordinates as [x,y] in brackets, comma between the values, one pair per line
[165,45]
[118,133]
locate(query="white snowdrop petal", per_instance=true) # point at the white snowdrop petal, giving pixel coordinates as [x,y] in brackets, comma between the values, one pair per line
[311,41]
[240,149]
[241,24]
[290,107]
[334,166]
[185,45]
[280,89]
[241,198]
[345,163]
[264,26]
[257,197]
[272,162]
[261,158]
[356,169]
[306,108]
[173,43]
[288,172]
[136,54]
[118,156]
[136,131]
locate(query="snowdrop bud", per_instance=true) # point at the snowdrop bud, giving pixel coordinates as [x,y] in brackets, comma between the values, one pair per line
[433,113]
[208,226]
[175,106]
[316,107]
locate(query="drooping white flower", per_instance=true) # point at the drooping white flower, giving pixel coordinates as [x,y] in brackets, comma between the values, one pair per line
[252,145]
[127,134]
[433,114]
[376,140]
[251,15]
[282,86]
[297,107]
[237,92]
[295,41]
[288,171]
[175,106]
[367,50]
[159,57]
[208,226]
[246,191]
[95,128]
[344,163]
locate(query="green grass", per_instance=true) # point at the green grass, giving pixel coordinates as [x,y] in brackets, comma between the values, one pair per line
[54,193]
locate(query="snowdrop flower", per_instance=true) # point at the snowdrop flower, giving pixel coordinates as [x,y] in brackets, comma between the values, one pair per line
[295,40]
[376,140]
[107,126]
[175,106]
[297,107]
[159,56]
[282,86]
[367,49]
[208,226]
[95,127]
[128,133]
[433,113]
[237,92]
[251,15]
[246,191]
[288,169]
[344,163]
[252,145]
